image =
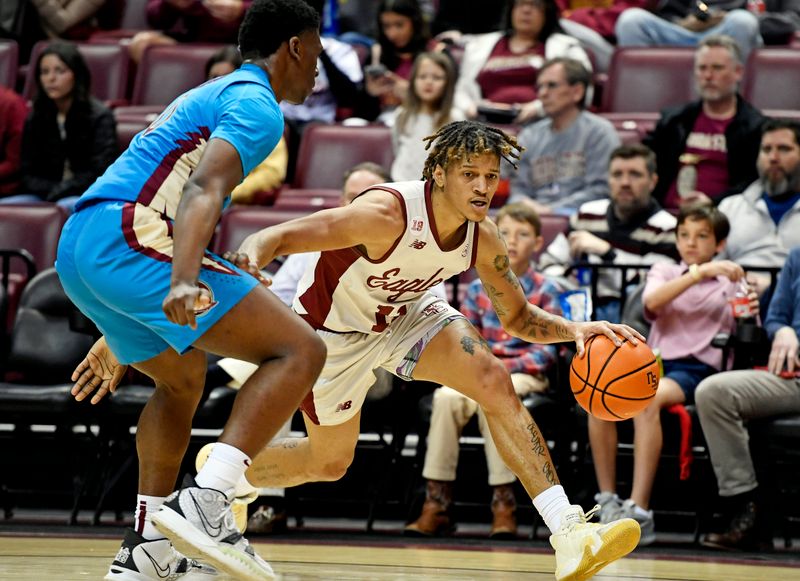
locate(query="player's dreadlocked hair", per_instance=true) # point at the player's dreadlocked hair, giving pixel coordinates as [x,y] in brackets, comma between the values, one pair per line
[462,139]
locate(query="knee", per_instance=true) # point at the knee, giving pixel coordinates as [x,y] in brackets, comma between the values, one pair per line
[308,356]
[709,394]
[742,21]
[496,392]
[332,469]
[631,19]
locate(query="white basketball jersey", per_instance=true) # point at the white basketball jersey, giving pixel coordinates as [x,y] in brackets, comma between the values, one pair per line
[344,290]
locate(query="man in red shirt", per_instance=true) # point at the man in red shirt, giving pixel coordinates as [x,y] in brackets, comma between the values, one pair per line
[706,150]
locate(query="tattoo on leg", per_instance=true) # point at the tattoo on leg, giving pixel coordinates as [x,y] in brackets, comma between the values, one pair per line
[549,473]
[468,344]
[537,442]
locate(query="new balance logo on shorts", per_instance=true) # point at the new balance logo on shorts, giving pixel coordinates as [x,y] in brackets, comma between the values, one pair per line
[417,245]
[345,405]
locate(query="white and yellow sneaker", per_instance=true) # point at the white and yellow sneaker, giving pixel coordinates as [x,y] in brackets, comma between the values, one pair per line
[583,548]
[244,494]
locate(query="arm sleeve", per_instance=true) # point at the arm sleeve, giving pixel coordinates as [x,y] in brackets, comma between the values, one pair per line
[780,312]
[60,16]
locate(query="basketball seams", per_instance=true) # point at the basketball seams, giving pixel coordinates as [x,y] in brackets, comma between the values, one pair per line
[609,404]
[600,376]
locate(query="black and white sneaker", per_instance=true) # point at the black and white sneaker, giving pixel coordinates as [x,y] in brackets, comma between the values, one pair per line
[200,524]
[141,560]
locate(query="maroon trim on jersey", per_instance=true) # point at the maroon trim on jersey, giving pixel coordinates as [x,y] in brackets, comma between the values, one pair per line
[164,169]
[318,298]
[434,229]
[475,232]
[128,231]
[308,407]
[386,255]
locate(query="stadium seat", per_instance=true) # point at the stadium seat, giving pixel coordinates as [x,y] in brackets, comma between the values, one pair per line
[772,78]
[34,228]
[9,61]
[309,200]
[127,130]
[108,65]
[239,222]
[642,80]
[168,71]
[327,151]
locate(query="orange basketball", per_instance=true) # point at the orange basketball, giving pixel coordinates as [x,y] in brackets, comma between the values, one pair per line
[614,383]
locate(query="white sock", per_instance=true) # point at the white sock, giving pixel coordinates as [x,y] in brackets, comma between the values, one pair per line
[550,504]
[223,469]
[641,511]
[145,507]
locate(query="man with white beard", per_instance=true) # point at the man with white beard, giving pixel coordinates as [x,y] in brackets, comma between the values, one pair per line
[765,218]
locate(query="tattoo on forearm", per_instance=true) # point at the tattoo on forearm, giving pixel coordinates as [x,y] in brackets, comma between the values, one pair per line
[501,262]
[495,296]
[543,325]
[537,442]
[468,344]
[511,278]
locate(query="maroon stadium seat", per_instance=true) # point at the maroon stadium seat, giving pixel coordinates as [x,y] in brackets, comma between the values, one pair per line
[9,61]
[309,200]
[648,79]
[127,130]
[773,78]
[108,64]
[239,222]
[328,151]
[168,71]
[34,228]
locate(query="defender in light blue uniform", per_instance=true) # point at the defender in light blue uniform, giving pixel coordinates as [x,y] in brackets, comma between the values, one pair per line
[122,227]
[134,258]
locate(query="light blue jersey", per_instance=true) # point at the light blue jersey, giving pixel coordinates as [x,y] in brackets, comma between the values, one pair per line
[115,253]
[240,108]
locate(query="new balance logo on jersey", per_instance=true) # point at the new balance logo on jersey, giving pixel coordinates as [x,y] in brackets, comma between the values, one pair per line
[417,245]
[345,405]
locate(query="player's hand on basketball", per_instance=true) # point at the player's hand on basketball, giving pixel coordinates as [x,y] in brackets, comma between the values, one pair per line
[184,302]
[242,260]
[98,373]
[725,268]
[611,330]
[783,355]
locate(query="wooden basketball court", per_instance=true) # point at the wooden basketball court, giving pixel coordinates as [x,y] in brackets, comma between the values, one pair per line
[77,559]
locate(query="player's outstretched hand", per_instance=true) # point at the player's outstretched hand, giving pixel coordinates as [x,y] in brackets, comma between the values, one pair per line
[99,371]
[611,330]
[243,261]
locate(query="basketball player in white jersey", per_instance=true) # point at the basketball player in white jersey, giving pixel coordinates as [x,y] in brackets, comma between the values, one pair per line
[365,293]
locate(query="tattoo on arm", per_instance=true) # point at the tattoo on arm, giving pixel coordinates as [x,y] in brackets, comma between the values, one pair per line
[495,296]
[501,262]
[511,278]
[543,324]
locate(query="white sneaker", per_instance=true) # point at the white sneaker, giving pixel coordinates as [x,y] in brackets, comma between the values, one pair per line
[245,492]
[199,522]
[583,548]
[141,560]
[646,521]
[610,505]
